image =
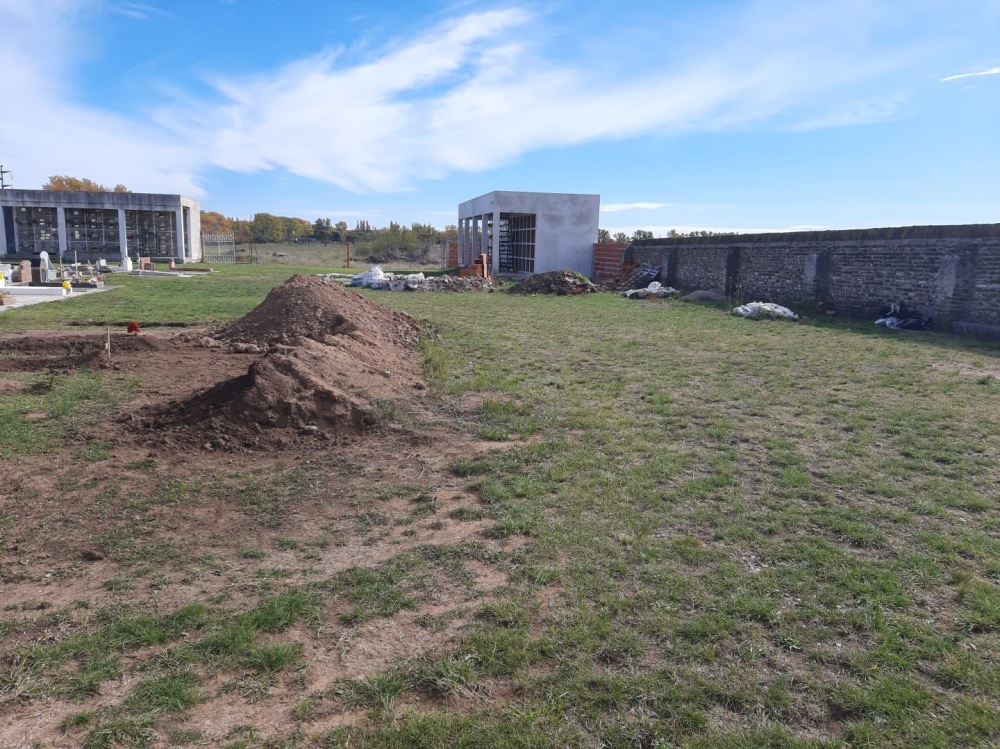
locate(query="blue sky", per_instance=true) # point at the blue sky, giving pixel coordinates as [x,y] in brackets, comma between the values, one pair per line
[723,114]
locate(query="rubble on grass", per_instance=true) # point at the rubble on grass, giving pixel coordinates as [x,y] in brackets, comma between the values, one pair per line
[764,311]
[707,296]
[636,276]
[653,291]
[897,316]
[560,282]
[376,278]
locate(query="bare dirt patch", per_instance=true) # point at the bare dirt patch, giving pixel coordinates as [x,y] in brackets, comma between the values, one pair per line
[289,446]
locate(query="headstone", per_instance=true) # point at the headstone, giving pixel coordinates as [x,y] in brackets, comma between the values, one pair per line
[145,263]
[25,271]
[46,271]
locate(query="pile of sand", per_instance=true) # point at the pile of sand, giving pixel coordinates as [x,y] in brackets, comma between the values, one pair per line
[333,362]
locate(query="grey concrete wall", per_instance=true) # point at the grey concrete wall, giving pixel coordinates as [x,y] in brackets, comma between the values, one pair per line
[566,225]
[129,201]
[955,270]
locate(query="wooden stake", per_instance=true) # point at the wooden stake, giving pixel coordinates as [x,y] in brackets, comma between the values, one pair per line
[109,342]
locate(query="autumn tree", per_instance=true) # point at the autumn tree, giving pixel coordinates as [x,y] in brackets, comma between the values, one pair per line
[213,222]
[65,183]
[296,228]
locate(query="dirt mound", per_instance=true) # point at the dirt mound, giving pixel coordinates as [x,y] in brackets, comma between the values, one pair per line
[335,364]
[561,282]
[311,307]
[311,390]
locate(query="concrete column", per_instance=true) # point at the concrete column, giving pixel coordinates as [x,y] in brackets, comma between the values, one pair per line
[484,241]
[61,224]
[179,213]
[461,241]
[475,240]
[122,234]
[495,247]
[3,234]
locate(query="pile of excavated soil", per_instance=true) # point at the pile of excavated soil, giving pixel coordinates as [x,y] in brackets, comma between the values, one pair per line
[310,307]
[334,363]
[561,282]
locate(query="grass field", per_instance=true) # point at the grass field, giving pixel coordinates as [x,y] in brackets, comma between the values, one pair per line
[714,533]
[334,254]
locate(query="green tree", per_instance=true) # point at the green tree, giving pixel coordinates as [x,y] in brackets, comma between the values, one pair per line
[322,230]
[603,236]
[267,228]
[641,234]
[621,237]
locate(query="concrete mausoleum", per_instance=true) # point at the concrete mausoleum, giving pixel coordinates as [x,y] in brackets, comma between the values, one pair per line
[86,226]
[529,232]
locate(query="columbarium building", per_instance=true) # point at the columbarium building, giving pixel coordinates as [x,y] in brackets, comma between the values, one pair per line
[86,226]
[529,232]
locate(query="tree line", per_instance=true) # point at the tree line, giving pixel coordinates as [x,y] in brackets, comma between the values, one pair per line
[392,240]
[265,228]
[606,237]
[65,183]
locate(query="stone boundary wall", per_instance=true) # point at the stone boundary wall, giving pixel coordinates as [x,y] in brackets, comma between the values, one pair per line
[954,269]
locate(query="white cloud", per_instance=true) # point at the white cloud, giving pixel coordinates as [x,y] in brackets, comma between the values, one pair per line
[663,231]
[140,11]
[991,71]
[618,207]
[464,97]
[864,112]
[474,93]
[46,131]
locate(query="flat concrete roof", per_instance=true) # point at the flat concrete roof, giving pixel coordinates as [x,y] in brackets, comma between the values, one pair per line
[74,199]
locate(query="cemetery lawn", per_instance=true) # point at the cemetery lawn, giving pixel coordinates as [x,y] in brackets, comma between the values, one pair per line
[638,524]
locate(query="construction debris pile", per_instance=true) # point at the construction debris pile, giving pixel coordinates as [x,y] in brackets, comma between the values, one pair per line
[654,290]
[897,316]
[764,311]
[376,278]
[636,276]
[331,360]
[561,282]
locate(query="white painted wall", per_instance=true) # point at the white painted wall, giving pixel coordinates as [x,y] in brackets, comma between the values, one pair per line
[566,225]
